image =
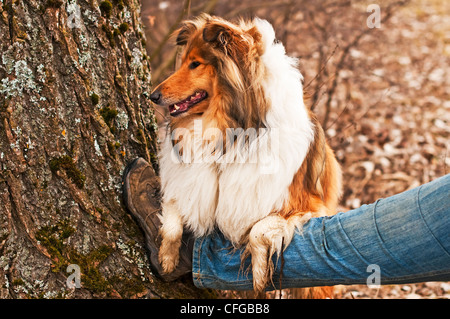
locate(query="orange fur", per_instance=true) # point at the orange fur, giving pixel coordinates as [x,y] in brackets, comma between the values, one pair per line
[316,185]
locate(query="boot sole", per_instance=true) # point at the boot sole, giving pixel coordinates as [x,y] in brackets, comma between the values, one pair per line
[151,246]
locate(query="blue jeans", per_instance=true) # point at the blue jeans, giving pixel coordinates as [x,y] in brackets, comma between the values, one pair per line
[401,239]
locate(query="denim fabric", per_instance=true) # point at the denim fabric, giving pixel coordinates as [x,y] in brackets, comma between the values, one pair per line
[407,236]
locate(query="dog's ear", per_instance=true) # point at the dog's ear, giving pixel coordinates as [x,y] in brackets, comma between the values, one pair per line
[184,32]
[255,34]
[217,34]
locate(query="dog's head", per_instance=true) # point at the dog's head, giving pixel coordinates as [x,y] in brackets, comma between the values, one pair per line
[220,73]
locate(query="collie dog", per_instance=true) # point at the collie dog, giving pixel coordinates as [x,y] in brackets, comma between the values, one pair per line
[242,152]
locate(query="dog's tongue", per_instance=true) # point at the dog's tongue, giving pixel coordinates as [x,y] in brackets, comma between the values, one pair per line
[183,106]
[178,108]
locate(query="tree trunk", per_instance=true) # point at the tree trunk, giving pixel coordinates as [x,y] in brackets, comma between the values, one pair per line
[74,110]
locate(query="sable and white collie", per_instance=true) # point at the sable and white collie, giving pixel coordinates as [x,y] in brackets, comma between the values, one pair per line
[242,153]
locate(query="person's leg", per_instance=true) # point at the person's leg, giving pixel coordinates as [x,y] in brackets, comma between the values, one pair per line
[405,237]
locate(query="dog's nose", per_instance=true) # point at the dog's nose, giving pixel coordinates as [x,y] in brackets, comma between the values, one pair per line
[156,97]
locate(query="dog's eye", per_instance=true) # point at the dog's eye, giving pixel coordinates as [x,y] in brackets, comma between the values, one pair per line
[194,64]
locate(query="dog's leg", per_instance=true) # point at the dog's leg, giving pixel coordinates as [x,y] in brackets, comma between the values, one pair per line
[271,234]
[171,232]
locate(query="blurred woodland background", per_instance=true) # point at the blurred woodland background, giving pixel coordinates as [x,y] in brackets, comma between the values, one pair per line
[381,94]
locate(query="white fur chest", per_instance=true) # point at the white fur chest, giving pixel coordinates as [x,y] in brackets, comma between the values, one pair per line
[233,192]
[230,195]
[193,187]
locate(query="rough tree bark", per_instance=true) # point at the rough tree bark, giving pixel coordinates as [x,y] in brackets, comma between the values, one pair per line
[74,109]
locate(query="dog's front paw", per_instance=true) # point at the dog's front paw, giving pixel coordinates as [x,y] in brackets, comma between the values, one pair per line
[264,239]
[270,235]
[169,255]
[171,232]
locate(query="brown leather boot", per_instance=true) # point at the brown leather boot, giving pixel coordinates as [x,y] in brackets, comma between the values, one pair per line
[142,199]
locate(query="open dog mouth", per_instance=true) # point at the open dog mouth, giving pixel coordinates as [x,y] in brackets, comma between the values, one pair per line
[186,104]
